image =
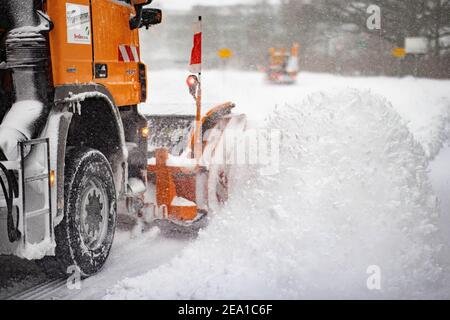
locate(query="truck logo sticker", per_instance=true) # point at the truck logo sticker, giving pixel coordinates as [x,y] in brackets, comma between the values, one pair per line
[78,24]
[128,53]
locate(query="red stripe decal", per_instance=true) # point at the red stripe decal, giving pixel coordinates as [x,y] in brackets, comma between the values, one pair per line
[130,53]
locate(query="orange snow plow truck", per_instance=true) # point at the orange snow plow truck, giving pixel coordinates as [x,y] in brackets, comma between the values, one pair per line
[76,157]
[283,66]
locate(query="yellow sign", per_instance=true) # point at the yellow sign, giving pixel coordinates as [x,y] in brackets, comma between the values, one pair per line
[225,53]
[399,52]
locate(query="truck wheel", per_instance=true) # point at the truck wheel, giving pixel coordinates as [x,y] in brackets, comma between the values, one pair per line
[85,236]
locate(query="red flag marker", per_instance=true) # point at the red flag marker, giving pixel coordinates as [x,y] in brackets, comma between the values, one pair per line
[196,54]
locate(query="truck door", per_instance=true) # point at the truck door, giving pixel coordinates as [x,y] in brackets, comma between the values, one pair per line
[70,41]
[116,50]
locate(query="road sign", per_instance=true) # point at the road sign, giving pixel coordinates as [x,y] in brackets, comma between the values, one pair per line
[399,52]
[416,45]
[225,53]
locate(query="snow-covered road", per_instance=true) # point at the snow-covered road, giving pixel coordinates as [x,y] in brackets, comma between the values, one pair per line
[355,190]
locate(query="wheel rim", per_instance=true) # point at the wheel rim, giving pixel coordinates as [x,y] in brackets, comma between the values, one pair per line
[94,214]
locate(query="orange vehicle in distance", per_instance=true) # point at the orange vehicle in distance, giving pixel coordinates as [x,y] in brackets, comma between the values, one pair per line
[283,65]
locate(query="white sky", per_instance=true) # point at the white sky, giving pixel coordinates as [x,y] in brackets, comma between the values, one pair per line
[187,4]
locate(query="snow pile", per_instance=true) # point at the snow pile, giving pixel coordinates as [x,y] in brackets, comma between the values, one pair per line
[36,251]
[182,202]
[433,137]
[175,161]
[17,126]
[353,193]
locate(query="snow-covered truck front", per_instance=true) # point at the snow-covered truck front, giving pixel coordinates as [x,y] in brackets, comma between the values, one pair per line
[74,155]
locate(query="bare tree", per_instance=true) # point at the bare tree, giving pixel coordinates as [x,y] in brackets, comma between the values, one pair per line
[400,18]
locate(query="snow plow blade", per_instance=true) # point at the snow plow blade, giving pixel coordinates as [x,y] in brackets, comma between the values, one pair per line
[179,193]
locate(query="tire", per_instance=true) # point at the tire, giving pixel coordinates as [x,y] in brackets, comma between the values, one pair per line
[85,235]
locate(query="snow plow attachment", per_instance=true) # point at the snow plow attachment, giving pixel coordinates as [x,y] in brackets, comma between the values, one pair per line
[181,191]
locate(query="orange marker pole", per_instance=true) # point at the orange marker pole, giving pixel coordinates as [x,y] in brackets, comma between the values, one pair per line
[198,121]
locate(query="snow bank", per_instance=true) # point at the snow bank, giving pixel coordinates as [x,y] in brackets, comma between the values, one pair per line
[17,126]
[353,192]
[434,137]
[36,251]
[176,161]
[182,202]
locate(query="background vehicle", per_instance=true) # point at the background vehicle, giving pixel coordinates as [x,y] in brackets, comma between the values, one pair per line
[283,66]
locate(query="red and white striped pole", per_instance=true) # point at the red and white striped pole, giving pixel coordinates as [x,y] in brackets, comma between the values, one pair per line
[196,67]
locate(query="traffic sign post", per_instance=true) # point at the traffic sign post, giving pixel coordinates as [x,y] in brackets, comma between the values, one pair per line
[418,48]
[225,54]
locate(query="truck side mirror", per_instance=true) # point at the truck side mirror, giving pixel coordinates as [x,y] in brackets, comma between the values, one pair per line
[145,17]
[150,17]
